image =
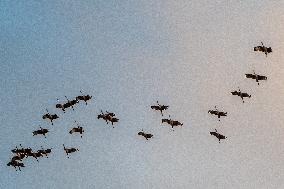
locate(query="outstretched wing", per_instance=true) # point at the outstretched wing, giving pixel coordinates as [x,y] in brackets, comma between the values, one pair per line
[259,48]
[165,107]
[72,131]
[155,107]
[261,77]
[235,93]
[250,76]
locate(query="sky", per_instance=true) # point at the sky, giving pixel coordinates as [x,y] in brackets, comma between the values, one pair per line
[128,54]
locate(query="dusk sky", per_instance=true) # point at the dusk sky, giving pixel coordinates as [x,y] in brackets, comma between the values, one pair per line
[188,54]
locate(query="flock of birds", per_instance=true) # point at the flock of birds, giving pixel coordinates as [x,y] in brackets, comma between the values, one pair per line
[239,93]
[21,153]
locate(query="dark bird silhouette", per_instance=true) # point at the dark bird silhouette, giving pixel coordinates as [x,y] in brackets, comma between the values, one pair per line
[172,122]
[159,107]
[84,97]
[77,129]
[256,77]
[264,49]
[108,117]
[41,131]
[49,116]
[16,164]
[218,135]
[240,94]
[69,150]
[217,113]
[145,135]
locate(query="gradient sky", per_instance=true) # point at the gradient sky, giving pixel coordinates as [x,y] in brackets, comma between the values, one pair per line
[128,54]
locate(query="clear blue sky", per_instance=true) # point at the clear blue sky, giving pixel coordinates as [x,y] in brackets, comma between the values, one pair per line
[187,54]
